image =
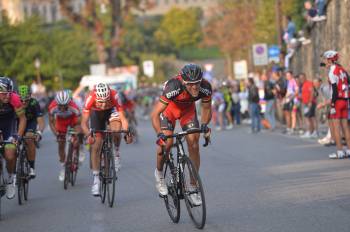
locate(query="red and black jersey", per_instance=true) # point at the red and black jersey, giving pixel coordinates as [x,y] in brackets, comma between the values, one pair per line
[174,91]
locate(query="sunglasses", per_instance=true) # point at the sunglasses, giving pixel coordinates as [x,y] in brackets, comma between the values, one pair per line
[101,100]
[5,93]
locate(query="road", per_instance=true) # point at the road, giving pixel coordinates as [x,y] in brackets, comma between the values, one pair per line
[264,182]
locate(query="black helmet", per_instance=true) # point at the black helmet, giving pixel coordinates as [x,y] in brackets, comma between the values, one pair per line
[191,73]
[6,84]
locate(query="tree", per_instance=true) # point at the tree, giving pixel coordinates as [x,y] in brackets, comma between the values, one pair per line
[179,29]
[231,29]
[63,50]
[105,25]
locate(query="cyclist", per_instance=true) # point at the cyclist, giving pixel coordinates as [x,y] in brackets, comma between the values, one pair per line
[338,114]
[35,124]
[178,103]
[10,107]
[63,113]
[101,106]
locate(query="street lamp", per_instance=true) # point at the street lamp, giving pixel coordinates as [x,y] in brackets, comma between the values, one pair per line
[37,66]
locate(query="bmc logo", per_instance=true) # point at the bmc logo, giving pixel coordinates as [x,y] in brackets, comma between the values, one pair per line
[173,93]
[207,92]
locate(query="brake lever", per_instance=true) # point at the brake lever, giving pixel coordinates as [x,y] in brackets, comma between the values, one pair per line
[207,141]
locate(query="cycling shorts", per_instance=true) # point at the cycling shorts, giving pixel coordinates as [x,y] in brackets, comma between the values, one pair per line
[341,110]
[186,115]
[63,124]
[99,118]
[31,125]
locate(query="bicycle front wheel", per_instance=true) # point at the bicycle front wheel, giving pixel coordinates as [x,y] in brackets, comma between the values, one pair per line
[20,179]
[26,180]
[103,174]
[172,201]
[75,167]
[111,179]
[193,193]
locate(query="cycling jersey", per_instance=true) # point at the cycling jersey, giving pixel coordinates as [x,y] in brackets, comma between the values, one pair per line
[181,105]
[91,103]
[32,111]
[64,118]
[8,113]
[337,75]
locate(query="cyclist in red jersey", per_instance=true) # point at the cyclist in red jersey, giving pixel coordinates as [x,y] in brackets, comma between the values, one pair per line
[63,113]
[338,115]
[178,103]
[11,108]
[101,106]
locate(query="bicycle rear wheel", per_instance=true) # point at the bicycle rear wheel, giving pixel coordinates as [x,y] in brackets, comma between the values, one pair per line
[172,201]
[192,184]
[111,179]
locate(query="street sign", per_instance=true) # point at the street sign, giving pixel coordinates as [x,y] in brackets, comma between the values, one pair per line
[274,54]
[241,69]
[260,56]
[148,68]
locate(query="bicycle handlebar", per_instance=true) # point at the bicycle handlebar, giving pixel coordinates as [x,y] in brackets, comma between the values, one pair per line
[109,131]
[187,132]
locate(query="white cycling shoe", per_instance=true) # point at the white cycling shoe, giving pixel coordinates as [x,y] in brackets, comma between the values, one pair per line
[10,190]
[196,199]
[95,189]
[61,175]
[117,164]
[160,184]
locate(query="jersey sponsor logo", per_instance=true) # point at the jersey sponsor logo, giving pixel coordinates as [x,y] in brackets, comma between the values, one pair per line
[207,92]
[173,93]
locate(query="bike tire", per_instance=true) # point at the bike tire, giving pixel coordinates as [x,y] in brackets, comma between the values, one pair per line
[68,167]
[20,178]
[112,176]
[75,167]
[103,166]
[26,180]
[172,201]
[197,213]
[2,186]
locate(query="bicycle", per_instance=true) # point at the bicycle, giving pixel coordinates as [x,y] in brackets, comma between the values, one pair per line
[22,170]
[108,175]
[3,182]
[72,160]
[183,180]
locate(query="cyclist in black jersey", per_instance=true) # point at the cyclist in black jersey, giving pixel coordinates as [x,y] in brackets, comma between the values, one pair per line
[35,124]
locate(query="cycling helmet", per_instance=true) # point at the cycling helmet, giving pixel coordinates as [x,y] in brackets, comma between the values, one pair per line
[6,84]
[24,92]
[62,98]
[102,91]
[191,73]
[331,55]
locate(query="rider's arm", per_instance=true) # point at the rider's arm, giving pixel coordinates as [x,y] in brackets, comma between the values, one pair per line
[206,112]
[85,124]
[125,124]
[52,124]
[155,116]
[22,124]
[41,123]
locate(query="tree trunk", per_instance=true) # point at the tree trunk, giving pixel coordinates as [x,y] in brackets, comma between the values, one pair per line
[115,31]
[229,67]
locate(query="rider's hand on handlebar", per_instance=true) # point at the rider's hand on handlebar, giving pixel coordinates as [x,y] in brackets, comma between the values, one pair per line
[128,137]
[90,139]
[206,130]
[161,141]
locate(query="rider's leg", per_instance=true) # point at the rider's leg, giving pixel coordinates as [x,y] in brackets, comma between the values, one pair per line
[31,152]
[193,148]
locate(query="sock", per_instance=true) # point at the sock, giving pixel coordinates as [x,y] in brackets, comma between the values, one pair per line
[10,178]
[95,173]
[31,163]
[160,173]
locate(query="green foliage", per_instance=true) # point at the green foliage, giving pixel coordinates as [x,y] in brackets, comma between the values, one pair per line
[193,53]
[62,51]
[265,24]
[179,28]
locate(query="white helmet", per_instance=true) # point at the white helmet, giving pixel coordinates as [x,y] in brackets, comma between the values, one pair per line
[331,55]
[62,98]
[102,91]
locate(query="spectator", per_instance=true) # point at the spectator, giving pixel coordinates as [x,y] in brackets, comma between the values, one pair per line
[228,104]
[254,108]
[269,97]
[321,12]
[219,108]
[236,106]
[338,114]
[289,108]
[308,99]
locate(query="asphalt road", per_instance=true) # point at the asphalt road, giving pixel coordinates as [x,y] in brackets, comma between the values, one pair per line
[264,182]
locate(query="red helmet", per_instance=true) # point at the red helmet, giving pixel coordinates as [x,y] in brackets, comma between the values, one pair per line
[331,55]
